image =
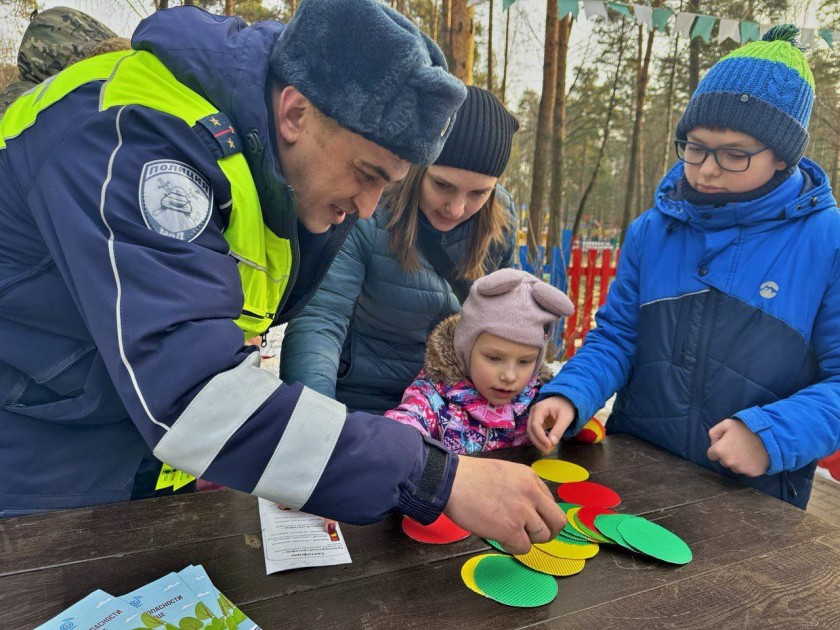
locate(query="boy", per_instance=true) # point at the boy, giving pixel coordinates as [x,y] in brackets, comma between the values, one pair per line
[721,331]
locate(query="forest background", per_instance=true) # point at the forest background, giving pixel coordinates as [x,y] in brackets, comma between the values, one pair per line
[597,98]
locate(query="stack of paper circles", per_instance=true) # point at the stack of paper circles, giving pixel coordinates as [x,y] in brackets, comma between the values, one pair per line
[528,579]
[442,531]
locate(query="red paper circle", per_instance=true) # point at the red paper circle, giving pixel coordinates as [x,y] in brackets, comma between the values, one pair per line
[586,515]
[442,531]
[589,494]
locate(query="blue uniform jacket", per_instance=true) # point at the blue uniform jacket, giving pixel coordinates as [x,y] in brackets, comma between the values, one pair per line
[362,337]
[724,312]
[118,342]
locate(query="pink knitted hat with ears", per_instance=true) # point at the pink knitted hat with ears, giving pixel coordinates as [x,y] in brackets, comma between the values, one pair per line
[513,305]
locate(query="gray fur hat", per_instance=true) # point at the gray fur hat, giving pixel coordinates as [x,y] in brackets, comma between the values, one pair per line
[373,71]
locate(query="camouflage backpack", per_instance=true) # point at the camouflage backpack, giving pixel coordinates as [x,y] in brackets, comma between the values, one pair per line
[54,39]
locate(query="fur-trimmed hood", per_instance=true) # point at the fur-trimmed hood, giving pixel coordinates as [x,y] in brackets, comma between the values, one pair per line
[441,363]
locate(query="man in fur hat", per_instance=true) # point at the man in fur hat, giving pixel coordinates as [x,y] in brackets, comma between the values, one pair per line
[160,206]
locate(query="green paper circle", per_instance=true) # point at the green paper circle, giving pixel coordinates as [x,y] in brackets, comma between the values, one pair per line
[567,506]
[608,524]
[495,545]
[562,536]
[505,580]
[569,532]
[655,540]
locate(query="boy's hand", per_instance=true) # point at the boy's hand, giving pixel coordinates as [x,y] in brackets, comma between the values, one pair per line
[738,448]
[548,420]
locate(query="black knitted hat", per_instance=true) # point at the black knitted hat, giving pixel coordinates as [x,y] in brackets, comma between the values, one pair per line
[481,135]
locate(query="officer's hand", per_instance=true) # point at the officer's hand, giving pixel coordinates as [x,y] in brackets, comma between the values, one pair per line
[505,502]
[738,448]
[548,420]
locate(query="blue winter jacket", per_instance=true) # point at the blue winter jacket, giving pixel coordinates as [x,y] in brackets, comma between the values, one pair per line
[362,337]
[118,343]
[724,312]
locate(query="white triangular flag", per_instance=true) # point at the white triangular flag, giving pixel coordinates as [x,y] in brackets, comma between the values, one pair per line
[684,22]
[806,37]
[763,28]
[644,15]
[594,9]
[729,29]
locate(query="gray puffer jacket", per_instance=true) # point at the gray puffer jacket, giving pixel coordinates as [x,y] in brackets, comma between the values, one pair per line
[362,337]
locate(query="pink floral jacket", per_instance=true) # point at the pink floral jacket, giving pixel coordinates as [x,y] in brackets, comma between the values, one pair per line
[460,417]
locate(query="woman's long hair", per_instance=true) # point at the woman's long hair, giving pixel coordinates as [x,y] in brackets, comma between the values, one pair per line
[402,203]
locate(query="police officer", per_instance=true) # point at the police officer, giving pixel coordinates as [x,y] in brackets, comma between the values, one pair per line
[159,206]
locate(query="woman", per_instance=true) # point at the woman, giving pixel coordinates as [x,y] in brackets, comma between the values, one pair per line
[362,337]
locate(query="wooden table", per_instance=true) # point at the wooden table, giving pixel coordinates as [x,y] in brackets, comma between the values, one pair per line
[758,562]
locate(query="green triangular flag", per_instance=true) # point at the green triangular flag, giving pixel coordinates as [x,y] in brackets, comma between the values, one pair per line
[506,4]
[749,32]
[703,26]
[660,18]
[565,7]
[828,35]
[620,8]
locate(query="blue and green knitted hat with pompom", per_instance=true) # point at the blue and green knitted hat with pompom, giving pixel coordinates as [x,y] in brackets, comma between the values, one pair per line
[764,89]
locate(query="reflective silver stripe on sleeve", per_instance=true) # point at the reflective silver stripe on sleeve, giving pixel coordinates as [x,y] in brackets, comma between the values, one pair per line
[304,450]
[215,414]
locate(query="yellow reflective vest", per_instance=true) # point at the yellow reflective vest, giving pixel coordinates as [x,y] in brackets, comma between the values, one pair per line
[139,78]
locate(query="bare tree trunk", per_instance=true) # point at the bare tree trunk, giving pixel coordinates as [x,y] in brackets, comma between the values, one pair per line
[544,124]
[462,39]
[507,44]
[490,48]
[555,203]
[435,19]
[642,74]
[605,133]
[229,8]
[835,171]
[693,53]
[162,4]
[669,115]
[401,6]
[188,3]
[444,36]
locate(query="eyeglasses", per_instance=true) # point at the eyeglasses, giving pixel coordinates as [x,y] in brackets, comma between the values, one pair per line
[732,160]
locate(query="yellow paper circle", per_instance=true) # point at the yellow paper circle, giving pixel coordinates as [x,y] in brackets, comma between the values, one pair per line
[559,471]
[545,563]
[560,549]
[468,571]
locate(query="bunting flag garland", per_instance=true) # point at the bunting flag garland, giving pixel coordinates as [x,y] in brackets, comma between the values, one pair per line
[644,15]
[622,9]
[728,29]
[684,22]
[661,17]
[749,32]
[565,7]
[703,26]
[690,25]
[594,9]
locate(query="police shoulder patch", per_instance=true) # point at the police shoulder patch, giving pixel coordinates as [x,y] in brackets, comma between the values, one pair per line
[175,199]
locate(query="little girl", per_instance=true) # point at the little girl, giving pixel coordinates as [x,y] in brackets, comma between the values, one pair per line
[484,367]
